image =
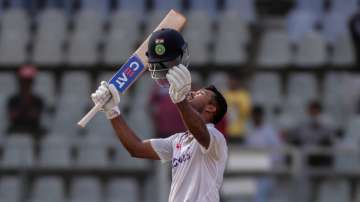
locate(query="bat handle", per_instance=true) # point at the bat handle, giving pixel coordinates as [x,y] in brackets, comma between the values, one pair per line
[82,123]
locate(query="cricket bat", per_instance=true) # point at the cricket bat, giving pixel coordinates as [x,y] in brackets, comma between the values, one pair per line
[137,63]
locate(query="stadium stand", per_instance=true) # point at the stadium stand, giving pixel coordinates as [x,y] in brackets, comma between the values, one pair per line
[55,152]
[274,40]
[10,188]
[18,151]
[48,188]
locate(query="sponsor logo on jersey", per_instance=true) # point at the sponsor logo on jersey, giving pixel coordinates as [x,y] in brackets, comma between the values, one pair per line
[184,157]
[127,73]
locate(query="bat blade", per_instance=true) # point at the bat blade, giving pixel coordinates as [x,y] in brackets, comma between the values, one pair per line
[127,74]
[137,63]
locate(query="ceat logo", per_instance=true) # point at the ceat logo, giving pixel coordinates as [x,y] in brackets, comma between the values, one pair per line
[127,73]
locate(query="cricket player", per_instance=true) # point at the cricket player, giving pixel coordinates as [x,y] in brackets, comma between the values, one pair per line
[198,155]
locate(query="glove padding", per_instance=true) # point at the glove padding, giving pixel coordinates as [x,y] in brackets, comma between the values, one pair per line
[180,83]
[108,97]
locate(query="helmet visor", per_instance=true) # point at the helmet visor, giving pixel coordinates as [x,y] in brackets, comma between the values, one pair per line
[159,70]
[158,73]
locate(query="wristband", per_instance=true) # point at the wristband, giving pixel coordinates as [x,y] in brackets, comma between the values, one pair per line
[113,113]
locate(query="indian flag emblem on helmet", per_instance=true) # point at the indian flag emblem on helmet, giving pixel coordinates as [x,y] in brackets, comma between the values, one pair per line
[159,47]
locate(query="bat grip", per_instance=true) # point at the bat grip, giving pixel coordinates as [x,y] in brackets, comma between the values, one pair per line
[82,123]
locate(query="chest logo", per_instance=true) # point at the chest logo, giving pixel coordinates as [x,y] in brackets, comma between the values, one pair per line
[182,158]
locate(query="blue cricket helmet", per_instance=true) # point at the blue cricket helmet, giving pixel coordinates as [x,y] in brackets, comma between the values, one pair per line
[165,45]
[166,48]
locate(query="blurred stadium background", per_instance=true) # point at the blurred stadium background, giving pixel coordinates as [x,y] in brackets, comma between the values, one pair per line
[278,55]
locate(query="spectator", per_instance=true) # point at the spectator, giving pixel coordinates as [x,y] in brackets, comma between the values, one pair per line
[263,135]
[161,107]
[239,108]
[355,33]
[24,108]
[314,132]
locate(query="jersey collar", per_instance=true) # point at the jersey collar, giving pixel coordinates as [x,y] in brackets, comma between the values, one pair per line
[210,125]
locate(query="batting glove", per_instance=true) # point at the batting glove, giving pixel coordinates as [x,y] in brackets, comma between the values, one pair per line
[180,83]
[108,97]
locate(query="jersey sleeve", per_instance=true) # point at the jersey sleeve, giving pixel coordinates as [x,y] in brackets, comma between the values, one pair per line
[217,146]
[163,147]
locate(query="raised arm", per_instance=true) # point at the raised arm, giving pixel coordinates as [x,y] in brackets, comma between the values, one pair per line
[194,122]
[133,144]
[180,85]
[108,96]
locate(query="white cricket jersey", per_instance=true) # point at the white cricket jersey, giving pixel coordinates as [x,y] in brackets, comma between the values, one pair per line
[197,172]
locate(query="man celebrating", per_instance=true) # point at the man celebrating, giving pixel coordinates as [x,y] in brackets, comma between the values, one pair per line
[198,155]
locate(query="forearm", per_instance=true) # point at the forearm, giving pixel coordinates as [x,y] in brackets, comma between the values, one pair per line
[194,122]
[133,144]
[125,134]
